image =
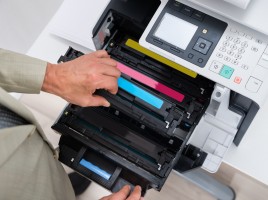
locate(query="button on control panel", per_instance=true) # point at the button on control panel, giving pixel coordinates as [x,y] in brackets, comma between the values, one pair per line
[216,67]
[253,84]
[237,79]
[264,60]
[238,56]
[202,45]
[221,69]
[226,71]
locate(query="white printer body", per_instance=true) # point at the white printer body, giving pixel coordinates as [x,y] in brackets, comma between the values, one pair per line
[198,51]
[240,47]
[238,62]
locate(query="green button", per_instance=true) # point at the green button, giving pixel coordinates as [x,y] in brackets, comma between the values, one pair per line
[226,71]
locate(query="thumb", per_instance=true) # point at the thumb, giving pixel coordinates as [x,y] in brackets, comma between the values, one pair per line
[97,100]
[123,193]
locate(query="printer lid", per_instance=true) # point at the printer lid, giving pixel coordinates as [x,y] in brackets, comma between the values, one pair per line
[254,16]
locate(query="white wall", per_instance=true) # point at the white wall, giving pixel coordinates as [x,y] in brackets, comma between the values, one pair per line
[21,21]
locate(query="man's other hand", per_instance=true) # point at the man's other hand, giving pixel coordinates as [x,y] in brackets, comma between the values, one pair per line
[77,80]
[123,194]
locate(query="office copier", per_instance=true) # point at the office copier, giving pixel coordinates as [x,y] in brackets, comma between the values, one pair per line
[192,82]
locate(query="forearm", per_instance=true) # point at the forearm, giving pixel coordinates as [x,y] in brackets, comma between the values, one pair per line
[75,81]
[21,73]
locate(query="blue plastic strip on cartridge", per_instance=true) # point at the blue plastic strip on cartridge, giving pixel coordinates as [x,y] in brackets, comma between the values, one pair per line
[139,92]
[95,169]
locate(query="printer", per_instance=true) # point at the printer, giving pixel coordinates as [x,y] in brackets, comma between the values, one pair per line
[192,82]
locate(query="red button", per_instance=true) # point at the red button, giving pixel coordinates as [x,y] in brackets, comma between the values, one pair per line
[237,79]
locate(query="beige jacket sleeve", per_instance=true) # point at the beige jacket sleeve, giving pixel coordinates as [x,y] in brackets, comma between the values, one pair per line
[28,168]
[21,73]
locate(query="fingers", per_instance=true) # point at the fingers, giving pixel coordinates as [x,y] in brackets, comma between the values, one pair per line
[77,80]
[110,71]
[123,194]
[101,54]
[109,84]
[105,64]
[106,83]
[96,100]
[120,195]
[108,61]
[136,194]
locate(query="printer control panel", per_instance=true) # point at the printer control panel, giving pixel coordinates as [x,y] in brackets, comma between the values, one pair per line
[220,49]
[235,50]
[186,33]
[241,59]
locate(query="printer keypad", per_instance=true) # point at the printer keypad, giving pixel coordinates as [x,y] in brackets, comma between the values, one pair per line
[235,46]
[237,57]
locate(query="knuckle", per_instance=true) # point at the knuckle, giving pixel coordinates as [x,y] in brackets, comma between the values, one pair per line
[118,73]
[91,78]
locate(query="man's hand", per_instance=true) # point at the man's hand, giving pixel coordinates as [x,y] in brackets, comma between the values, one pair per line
[123,194]
[77,80]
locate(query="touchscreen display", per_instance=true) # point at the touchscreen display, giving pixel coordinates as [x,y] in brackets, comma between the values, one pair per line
[175,31]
